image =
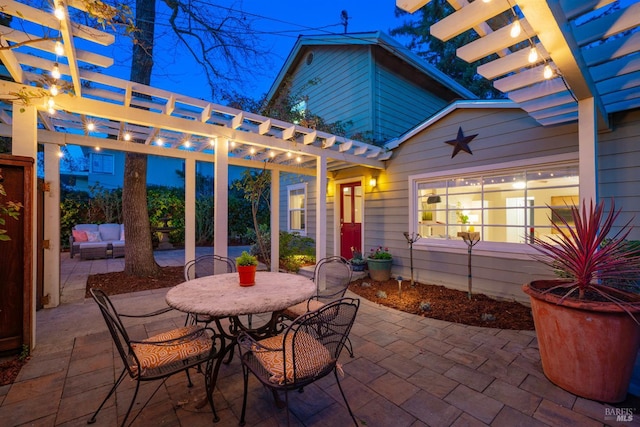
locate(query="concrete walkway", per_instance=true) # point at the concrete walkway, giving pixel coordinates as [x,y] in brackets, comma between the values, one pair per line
[407,371]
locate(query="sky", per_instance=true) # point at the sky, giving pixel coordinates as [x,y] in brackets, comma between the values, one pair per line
[279,23]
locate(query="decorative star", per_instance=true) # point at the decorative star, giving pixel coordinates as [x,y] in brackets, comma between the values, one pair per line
[461,143]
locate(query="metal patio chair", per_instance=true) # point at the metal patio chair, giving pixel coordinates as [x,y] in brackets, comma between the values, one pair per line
[305,352]
[334,273]
[208,265]
[160,356]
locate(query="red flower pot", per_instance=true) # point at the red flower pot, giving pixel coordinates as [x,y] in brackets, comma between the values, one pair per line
[247,274]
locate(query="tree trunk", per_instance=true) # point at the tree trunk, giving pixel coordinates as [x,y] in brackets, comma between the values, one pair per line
[139,260]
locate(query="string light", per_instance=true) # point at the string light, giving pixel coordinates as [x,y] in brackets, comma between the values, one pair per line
[55,71]
[298,159]
[53,90]
[59,48]
[272,154]
[91,126]
[289,154]
[212,142]
[127,136]
[51,111]
[97,148]
[60,153]
[547,72]
[51,103]
[187,143]
[59,12]
[516,29]
[159,142]
[233,144]
[252,151]
[533,55]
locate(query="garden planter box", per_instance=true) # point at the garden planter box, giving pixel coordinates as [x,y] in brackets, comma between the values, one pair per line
[379,269]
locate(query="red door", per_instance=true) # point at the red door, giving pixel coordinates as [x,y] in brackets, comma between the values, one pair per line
[350,218]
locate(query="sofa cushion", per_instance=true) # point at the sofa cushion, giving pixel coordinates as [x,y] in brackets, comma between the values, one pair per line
[79,236]
[109,232]
[93,236]
[122,232]
[86,227]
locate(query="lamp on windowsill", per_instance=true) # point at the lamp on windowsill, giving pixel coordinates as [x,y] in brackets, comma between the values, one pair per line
[433,199]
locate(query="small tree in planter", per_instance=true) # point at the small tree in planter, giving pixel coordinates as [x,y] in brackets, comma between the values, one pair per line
[247,265]
[586,324]
[357,262]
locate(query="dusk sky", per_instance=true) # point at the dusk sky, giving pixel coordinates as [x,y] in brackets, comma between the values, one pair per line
[281,22]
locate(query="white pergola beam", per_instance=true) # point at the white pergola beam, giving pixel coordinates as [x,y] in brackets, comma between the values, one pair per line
[607,25]
[466,18]
[493,43]
[411,5]
[510,63]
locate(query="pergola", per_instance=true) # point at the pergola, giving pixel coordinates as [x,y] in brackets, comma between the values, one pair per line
[559,60]
[98,110]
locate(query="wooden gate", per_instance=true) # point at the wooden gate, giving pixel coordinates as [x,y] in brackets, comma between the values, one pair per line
[16,282]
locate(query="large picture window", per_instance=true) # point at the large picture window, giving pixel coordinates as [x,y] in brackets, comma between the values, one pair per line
[510,205]
[297,208]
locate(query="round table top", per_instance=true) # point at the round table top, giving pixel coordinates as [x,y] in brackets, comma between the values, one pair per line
[221,295]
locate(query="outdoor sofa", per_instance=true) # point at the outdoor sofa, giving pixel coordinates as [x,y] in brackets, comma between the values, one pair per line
[93,241]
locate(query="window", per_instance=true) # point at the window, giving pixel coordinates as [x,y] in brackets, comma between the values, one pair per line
[510,205]
[101,163]
[297,208]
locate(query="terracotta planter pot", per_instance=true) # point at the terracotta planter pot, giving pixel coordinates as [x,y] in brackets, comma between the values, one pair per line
[586,348]
[379,269]
[247,274]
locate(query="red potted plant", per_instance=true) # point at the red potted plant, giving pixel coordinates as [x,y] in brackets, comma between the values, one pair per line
[247,265]
[586,322]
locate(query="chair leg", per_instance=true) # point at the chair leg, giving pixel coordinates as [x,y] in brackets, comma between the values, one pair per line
[335,372]
[208,386]
[349,347]
[133,400]
[245,374]
[189,383]
[113,389]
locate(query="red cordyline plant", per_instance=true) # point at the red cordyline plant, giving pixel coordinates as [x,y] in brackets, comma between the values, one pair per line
[583,253]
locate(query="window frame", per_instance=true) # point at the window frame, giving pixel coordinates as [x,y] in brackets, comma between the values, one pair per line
[102,155]
[494,249]
[295,187]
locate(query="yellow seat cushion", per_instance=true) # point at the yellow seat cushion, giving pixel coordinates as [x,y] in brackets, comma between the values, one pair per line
[302,308]
[311,357]
[152,356]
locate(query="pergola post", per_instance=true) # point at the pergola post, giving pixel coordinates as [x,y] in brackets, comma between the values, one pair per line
[189,209]
[275,220]
[321,210]
[221,197]
[588,149]
[52,225]
[24,142]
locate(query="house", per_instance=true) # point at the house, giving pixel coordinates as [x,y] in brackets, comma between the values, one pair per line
[492,167]
[365,81]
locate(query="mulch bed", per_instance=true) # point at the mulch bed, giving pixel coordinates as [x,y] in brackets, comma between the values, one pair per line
[439,302]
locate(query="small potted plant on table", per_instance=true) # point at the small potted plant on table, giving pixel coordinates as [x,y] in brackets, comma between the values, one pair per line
[247,265]
[379,264]
[586,322]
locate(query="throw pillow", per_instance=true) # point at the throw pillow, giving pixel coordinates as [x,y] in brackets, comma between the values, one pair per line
[79,235]
[93,236]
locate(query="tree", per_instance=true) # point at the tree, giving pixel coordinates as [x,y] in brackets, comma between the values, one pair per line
[213,41]
[443,54]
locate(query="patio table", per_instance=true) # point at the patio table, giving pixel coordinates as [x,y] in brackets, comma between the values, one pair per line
[221,296]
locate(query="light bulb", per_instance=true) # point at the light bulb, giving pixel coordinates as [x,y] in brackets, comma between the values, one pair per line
[159,141]
[298,159]
[97,148]
[289,154]
[212,142]
[187,143]
[91,126]
[60,153]
[252,151]
[55,71]
[548,72]
[59,48]
[272,154]
[59,12]
[53,90]
[52,111]
[515,29]
[533,55]
[233,144]
[51,103]
[127,136]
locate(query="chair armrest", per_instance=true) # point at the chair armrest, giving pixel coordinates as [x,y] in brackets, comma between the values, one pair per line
[247,343]
[153,313]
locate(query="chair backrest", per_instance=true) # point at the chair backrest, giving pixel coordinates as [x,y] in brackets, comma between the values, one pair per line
[208,265]
[329,326]
[117,330]
[332,276]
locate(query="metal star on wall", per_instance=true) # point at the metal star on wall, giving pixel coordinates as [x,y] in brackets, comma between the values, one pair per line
[461,143]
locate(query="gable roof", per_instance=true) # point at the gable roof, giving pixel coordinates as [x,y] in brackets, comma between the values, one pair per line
[469,104]
[376,38]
